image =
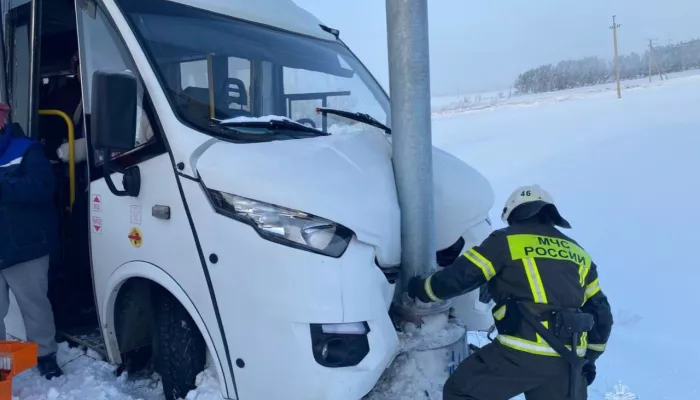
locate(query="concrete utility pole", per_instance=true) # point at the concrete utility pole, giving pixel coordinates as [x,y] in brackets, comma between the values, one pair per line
[409,80]
[617,64]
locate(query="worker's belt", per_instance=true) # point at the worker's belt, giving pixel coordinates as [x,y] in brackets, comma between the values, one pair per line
[567,323]
[562,323]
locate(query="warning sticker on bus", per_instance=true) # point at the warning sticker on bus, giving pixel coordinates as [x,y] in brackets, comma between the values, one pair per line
[135,237]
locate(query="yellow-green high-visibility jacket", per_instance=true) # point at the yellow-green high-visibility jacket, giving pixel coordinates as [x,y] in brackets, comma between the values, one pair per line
[536,264]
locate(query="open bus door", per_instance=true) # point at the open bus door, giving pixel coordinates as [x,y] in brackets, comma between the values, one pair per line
[39,83]
[43,40]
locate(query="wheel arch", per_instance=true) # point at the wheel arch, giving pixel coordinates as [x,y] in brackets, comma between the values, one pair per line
[156,276]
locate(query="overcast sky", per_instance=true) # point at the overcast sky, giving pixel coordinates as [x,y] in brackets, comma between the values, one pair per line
[483,45]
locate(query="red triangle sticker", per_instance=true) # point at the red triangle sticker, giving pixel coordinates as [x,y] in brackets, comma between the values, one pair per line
[96,200]
[97,228]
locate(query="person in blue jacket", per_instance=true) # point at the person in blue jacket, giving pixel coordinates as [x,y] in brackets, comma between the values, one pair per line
[28,233]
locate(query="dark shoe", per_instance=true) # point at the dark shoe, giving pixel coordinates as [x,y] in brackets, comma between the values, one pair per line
[48,368]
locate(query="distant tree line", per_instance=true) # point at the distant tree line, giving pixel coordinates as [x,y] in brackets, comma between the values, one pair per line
[589,71]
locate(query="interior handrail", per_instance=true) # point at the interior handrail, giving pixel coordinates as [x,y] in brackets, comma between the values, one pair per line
[71,150]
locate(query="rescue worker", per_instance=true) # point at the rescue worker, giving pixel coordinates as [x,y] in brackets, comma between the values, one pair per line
[552,318]
[28,233]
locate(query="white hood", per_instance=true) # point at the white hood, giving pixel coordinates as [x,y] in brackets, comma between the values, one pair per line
[345,178]
[348,179]
[462,196]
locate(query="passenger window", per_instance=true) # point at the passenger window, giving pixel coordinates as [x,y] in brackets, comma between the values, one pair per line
[102,49]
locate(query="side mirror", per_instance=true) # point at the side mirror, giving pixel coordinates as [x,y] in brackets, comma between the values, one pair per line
[113,110]
[113,125]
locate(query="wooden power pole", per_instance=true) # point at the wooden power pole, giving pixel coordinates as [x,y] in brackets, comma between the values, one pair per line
[617,64]
[652,58]
[658,66]
[649,57]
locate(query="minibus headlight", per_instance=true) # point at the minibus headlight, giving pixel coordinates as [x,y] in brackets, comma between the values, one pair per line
[286,226]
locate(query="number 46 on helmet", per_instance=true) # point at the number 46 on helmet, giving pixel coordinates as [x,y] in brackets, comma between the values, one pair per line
[528,201]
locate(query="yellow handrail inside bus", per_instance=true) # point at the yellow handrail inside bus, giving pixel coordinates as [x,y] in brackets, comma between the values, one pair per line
[71,150]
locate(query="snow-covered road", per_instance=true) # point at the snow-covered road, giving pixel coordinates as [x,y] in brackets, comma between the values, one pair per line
[623,173]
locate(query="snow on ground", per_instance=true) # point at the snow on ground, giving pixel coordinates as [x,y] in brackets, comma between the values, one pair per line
[621,173]
[88,378]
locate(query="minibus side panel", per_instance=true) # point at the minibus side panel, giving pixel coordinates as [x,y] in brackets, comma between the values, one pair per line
[125,229]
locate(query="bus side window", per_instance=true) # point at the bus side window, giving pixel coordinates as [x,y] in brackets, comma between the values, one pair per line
[102,48]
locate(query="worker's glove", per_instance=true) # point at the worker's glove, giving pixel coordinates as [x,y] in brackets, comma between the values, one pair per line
[588,372]
[589,369]
[416,289]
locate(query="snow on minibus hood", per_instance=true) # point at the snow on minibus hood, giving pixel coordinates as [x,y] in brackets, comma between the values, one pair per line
[266,118]
[334,129]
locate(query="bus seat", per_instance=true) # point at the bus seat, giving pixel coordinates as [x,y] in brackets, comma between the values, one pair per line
[237,94]
[195,102]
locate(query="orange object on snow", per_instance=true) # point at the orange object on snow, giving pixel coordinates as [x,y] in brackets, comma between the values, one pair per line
[15,357]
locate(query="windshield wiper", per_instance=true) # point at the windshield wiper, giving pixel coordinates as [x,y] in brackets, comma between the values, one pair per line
[273,125]
[355,116]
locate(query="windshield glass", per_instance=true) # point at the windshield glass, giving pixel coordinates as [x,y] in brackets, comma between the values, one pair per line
[216,68]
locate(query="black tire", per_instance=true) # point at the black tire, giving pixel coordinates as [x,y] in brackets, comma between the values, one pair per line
[179,351]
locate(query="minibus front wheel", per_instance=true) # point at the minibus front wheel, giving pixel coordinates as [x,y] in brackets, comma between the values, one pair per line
[179,350]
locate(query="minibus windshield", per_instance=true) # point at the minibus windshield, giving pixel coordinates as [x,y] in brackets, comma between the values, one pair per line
[215,68]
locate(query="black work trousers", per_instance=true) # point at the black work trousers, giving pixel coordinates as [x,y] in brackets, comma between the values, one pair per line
[496,372]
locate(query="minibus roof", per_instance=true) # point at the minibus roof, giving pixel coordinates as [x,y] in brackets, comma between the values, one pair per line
[282,14]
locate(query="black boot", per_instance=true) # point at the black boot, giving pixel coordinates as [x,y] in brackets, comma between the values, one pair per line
[48,368]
